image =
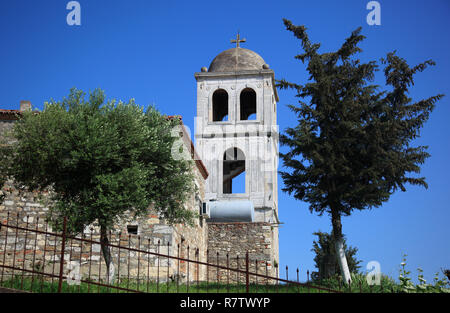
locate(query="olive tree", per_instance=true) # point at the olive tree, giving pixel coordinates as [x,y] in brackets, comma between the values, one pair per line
[102,160]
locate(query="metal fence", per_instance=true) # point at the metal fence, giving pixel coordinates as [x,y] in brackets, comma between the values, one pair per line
[38,259]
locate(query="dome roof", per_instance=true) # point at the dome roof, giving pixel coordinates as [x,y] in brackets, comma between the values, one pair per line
[236,59]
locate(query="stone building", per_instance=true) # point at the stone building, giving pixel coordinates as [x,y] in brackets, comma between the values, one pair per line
[236,134]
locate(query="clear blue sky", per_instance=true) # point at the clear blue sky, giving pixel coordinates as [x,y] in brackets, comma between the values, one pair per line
[149,50]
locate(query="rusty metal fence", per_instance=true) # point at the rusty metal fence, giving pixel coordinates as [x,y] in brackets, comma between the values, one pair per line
[34,257]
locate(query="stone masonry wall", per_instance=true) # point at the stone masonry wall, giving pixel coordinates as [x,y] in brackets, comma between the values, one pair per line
[44,251]
[235,239]
[5,126]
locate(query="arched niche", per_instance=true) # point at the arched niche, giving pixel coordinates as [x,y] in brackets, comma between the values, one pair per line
[233,171]
[220,106]
[247,104]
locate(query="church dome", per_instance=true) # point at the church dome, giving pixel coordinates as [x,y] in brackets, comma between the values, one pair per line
[237,59]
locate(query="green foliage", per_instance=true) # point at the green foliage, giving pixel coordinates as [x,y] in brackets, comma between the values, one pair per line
[359,284]
[406,284]
[352,145]
[326,259]
[101,160]
[351,148]
[387,285]
[441,285]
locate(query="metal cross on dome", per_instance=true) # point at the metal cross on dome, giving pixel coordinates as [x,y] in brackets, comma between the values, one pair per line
[238,40]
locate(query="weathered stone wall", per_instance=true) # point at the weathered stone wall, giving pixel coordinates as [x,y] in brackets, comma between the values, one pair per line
[187,241]
[153,236]
[235,239]
[5,125]
[5,128]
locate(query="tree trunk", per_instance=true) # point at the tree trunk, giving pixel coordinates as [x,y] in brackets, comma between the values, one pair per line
[106,253]
[339,246]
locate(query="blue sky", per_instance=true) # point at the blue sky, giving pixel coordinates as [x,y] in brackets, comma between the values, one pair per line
[149,50]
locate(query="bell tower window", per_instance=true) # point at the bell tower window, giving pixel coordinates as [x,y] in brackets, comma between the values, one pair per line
[248,104]
[220,106]
[233,171]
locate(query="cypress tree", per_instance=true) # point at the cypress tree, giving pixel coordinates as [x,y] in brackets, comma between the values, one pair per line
[352,146]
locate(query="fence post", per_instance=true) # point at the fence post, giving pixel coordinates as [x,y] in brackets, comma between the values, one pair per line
[307,282]
[246,273]
[63,247]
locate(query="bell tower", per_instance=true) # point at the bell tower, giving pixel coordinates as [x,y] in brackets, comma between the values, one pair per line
[236,131]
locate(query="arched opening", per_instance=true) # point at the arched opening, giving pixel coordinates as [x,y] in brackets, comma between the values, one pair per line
[233,171]
[220,105]
[248,104]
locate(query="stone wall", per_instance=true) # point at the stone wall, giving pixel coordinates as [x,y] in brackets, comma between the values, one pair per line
[29,210]
[235,239]
[5,127]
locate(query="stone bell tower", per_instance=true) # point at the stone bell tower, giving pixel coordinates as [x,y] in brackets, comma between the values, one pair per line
[237,136]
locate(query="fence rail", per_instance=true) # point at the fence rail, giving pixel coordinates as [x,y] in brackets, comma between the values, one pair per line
[32,254]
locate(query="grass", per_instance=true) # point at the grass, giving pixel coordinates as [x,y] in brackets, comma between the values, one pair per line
[39,285]
[359,285]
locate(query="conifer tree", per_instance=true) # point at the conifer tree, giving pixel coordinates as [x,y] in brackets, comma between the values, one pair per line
[325,256]
[352,147]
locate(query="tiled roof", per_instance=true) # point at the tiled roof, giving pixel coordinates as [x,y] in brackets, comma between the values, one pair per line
[9,114]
